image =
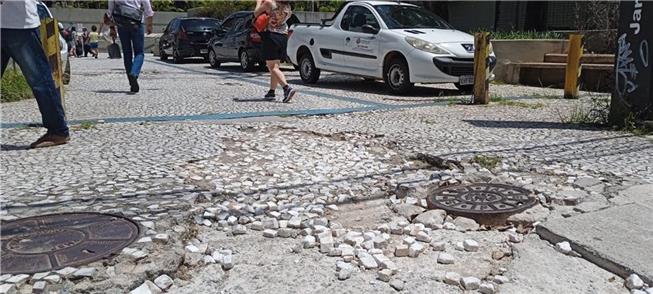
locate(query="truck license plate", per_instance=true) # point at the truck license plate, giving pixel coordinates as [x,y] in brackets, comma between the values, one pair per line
[466,80]
[203,51]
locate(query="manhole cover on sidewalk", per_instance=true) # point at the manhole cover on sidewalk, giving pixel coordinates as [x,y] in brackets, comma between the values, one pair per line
[481,199]
[54,241]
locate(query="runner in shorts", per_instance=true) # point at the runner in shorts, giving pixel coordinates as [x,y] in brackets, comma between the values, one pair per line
[275,40]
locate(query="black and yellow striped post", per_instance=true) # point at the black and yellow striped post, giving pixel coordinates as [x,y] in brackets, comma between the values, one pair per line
[573,69]
[49,32]
[481,68]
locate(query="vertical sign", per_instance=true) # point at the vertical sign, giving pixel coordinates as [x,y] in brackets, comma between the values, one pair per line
[633,96]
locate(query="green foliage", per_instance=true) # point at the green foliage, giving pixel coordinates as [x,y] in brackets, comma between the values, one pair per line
[506,102]
[486,161]
[594,114]
[222,9]
[523,35]
[87,125]
[14,87]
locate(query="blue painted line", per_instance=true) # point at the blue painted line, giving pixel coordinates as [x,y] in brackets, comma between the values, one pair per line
[265,84]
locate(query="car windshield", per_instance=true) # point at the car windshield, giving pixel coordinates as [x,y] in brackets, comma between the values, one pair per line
[200,24]
[410,17]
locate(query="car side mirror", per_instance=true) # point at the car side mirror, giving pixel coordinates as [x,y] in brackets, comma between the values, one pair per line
[368,29]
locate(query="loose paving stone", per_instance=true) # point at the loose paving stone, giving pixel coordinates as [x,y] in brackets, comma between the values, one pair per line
[397,284]
[161,238]
[402,250]
[269,233]
[53,279]
[239,230]
[308,242]
[470,245]
[146,288]
[470,283]
[423,237]
[408,211]
[465,224]
[367,260]
[486,288]
[445,258]
[4,277]
[163,282]
[515,237]
[39,276]
[415,249]
[39,287]
[438,245]
[432,218]
[500,279]
[8,289]
[227,262]
[564,247]
[452,278]
[384,275]
[18,279]
[634,282]
[85,272]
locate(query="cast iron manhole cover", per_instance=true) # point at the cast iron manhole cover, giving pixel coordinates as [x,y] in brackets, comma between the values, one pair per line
[481,199]
[50,242]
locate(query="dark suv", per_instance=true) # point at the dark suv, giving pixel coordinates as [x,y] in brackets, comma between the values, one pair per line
[187,37]
[236,41]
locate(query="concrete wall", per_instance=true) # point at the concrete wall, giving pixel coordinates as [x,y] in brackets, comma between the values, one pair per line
[89,17]
[515,51]
[466,16]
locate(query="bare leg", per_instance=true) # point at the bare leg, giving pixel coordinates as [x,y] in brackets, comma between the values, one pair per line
[273,78]
[276,73]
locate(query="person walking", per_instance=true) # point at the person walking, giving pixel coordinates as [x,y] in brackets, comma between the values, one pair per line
[128,16]
[19,40]
[275,41]
[94,39]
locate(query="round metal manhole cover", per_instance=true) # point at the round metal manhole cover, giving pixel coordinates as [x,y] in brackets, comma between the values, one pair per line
[50,242]
[481,199]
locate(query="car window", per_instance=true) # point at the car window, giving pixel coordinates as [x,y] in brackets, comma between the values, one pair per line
[356,17]
[200,24]
[228,24]
[175,25]
[410,17]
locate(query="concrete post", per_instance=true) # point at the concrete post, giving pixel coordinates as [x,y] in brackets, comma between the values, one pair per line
[573,69]
[633,97]
[481,68]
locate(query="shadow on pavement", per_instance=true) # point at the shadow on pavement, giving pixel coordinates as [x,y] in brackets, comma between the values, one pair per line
[112,92]
[374,87]
[530,125]
[8,147]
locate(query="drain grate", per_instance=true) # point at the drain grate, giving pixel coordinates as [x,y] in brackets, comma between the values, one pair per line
[50,242]
[481,199]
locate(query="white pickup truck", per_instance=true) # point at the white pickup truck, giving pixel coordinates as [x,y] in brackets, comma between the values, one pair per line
[398,42]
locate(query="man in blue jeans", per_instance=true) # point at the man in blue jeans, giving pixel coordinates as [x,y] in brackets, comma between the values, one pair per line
[20,41]
[132,37]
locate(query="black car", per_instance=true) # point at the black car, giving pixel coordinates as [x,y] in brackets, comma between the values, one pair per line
[237,41]
[187,37]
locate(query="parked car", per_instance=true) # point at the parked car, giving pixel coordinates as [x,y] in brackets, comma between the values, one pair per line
[398,42]
[44,13]
[186,37]
[237,41]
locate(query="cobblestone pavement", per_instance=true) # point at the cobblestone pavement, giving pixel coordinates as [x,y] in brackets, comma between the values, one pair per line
[332,203]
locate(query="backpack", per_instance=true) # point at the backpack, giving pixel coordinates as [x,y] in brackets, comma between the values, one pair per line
[126,16]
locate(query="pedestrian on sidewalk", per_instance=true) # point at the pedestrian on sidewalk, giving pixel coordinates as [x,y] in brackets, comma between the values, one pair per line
[128,16]
[94,39]
[275,41]
[19,23]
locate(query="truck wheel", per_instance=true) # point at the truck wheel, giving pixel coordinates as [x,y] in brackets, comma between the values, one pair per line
[307,70]
[397,77]
[464,88]
[176,57]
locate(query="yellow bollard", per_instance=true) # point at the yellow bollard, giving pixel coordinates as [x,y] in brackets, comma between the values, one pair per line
[481,68]
[573,69]
[49,33]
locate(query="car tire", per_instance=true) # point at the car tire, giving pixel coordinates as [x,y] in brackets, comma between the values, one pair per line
[307,70]
[176,58]
[162,55]
[465,88]
[397,77]
[213,59]
[246,64]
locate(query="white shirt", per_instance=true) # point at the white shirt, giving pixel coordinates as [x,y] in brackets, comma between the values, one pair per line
[138,4]
[19,14]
